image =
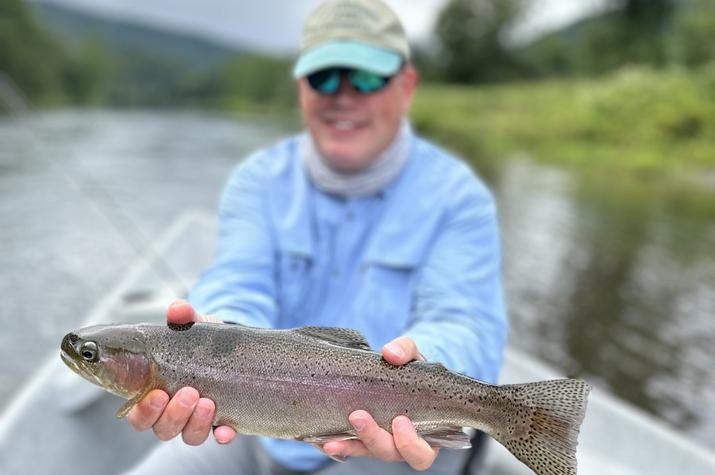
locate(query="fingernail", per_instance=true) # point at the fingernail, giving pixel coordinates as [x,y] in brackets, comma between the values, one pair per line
[396,350]
[186,397]
[404,423]
[156,402]
[202,410]
[331,449]
[221,436]
[358,423]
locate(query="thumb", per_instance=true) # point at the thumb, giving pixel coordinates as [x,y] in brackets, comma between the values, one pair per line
[401,351]
[180,312]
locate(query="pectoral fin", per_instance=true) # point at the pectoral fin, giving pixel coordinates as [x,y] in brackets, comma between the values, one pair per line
[127,406]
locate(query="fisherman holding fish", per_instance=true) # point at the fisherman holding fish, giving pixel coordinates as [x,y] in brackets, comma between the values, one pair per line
[356,223]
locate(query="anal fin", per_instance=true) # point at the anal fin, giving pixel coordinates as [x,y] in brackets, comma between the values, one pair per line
[318,441]
[444,437]
[448,438]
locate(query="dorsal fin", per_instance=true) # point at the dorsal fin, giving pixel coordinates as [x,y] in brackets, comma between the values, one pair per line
[337,336]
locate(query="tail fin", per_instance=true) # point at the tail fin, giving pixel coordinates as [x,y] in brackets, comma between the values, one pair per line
[548,442]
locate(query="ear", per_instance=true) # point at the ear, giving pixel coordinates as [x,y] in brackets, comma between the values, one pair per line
[408,83]
[300,87]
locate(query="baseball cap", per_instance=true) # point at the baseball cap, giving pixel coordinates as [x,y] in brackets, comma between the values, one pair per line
[361,34]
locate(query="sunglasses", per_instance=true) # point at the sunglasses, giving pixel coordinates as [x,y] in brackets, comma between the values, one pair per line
[327,81]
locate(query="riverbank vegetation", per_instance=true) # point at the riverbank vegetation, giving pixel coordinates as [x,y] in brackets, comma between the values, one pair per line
[45,71]
[631,88]
[635,119]
[476,40]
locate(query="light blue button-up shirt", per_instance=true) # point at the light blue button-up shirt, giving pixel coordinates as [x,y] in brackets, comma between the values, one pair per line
[420,258]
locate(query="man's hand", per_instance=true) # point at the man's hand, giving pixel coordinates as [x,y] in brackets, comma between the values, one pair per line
[186,413]
[403,444]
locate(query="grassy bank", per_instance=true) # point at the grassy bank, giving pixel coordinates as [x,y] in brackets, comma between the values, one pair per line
[636,120]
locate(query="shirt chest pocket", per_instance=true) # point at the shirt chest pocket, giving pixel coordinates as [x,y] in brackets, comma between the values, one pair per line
[386,295]
[292,283]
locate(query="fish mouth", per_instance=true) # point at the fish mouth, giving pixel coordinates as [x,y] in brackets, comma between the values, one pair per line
[68,360]
[68,351]
[65,357]
[70,357]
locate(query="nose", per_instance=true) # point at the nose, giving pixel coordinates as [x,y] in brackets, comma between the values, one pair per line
[346,94]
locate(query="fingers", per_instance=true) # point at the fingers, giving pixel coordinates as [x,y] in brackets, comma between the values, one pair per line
[147,411]
[375,439]
[185,413]
[198,427]
[177,414]
[413,448]
[403,444]
[401,351]
[224,434]
[180,312]
[346,448]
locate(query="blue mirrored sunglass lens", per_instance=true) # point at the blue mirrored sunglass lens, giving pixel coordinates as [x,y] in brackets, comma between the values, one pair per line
[364,81]
[326,81]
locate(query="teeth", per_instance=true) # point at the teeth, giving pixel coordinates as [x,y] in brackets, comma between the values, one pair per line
[344,124]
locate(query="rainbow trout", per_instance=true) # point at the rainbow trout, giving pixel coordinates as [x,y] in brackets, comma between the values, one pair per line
[303,383]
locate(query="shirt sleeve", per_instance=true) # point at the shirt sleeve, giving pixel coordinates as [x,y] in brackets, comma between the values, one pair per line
[239,286]
[459,317]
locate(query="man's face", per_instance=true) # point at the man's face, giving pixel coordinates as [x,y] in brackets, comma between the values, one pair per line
[351,129]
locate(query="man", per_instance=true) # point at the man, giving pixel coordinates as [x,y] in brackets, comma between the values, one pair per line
[356,223]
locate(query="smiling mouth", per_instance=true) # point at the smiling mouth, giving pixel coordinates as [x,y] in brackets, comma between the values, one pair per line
[344,125]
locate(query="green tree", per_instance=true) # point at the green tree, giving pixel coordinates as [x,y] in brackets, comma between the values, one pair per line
[87,72]
[42,68]
[472,34]
[254,79]
[642,25]
[28,55]
[693,33]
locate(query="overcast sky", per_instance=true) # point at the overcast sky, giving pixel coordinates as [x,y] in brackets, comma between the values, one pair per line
[275,25]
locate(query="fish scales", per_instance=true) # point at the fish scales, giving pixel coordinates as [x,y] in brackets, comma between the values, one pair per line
[303,383]
[314,384]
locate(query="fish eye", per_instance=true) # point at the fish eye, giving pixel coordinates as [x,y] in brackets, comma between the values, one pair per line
[89,351]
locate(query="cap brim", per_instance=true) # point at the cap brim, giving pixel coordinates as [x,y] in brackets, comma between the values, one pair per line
[348,54]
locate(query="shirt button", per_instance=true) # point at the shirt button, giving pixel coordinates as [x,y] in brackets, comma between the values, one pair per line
[350,215]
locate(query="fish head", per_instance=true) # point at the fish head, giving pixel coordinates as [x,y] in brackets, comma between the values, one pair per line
[114,357]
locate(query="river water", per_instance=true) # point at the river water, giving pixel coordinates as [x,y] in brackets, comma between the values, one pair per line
[608,279]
